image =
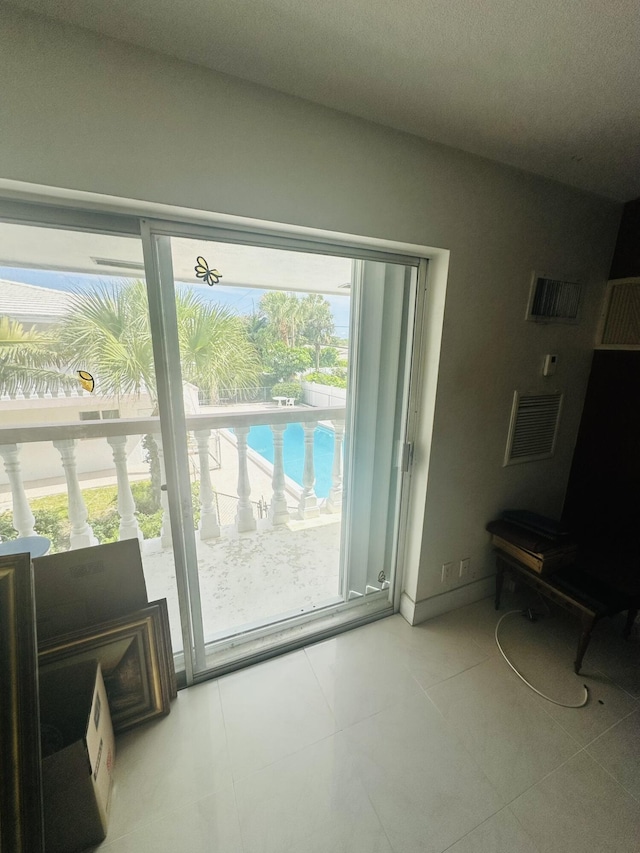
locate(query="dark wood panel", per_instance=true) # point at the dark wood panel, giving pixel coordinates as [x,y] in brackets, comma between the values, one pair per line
[626,257]
[603,496]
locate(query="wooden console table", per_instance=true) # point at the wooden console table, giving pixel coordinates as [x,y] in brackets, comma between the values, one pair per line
[576,591]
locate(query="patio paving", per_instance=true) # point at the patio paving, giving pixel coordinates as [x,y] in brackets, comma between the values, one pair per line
[249,578]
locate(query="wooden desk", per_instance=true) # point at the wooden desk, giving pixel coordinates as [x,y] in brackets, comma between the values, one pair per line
[577,592]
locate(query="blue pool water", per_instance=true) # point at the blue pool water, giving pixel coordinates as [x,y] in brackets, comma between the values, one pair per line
[261,440]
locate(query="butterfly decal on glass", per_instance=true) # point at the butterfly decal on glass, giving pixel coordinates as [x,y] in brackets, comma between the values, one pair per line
[86,380]
[203,271]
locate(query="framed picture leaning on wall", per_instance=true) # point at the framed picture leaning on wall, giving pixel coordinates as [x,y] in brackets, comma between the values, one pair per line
[21,813]
[135,661]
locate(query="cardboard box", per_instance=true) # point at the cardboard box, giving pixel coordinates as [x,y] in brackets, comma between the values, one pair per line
[78,750]
[76,589]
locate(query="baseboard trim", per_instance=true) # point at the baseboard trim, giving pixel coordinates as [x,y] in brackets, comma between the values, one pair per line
[419,611]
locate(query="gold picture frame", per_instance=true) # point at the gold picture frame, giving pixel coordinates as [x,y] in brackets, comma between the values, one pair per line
[135,660]
[21,811]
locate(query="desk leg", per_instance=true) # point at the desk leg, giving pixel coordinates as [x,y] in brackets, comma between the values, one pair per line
[628,625]
[588,623]
[499,581]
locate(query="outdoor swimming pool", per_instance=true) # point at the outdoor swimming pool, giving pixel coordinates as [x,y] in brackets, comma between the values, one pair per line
[261,440]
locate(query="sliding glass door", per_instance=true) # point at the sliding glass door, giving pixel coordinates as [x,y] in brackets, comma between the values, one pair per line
[284,380]
[247,422]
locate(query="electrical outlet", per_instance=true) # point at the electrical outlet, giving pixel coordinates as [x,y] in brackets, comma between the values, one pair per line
[447,573]
[473,570]
[464,567]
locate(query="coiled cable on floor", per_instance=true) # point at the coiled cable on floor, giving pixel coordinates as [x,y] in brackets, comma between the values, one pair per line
[519,674]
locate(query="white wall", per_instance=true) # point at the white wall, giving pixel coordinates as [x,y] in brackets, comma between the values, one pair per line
[40,462]
[316,394]
[96,115]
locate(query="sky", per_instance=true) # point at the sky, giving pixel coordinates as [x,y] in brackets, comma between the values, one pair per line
[240,300]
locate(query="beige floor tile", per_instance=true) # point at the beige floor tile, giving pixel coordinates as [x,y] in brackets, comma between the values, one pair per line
[361,672]
[311,801]
[501,833]
[272,710]
[580,807]
[432,651]
[173,761]
[206,826]
[513,740]
[618,751]
[426,789]
[477,621]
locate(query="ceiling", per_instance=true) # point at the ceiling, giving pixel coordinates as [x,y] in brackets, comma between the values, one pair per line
[550,87]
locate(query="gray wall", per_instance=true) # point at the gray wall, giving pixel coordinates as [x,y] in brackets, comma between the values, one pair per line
[84,113]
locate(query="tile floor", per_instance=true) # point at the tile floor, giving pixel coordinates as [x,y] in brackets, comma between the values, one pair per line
[392,739]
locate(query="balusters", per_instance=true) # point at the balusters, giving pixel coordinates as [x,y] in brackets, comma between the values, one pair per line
[334,500]
[23,519]
[209,524]
[308,503]
[245,518]
[81,533]
[278,512]
[166,539]
[126,505]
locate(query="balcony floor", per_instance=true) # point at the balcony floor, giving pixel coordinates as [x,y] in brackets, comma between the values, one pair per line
[249,578]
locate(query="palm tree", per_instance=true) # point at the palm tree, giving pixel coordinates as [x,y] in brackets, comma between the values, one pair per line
[215,349]
[107,333]
[283,313]
[318,326]
[29,360]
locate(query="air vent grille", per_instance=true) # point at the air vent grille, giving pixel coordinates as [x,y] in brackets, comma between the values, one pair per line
[622,314]
[533,427]
[113,262]
[554,300]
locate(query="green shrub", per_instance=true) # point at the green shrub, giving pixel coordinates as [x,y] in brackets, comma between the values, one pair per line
[144,497]
[336,381]
[54,524]
[106,527]
[7,532]
[287,389]
[150,525]
[328,357]
[49,523]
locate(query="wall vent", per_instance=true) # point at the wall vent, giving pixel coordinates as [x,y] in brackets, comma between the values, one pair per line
[621,319]
[554,300]
[114,262]
[533,427]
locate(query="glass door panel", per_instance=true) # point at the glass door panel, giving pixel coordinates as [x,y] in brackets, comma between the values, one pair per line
[286,380]
[82,458]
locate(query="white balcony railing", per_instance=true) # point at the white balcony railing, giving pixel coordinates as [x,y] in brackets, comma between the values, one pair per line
[64,437]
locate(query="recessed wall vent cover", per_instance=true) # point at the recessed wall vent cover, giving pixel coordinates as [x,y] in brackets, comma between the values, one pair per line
[113,262]
[621,322]
[533,427]
[554,300]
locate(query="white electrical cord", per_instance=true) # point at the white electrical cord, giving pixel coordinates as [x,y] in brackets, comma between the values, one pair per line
[535,690]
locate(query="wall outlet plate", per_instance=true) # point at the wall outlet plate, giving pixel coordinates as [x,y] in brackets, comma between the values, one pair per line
[447,572]
[464,567]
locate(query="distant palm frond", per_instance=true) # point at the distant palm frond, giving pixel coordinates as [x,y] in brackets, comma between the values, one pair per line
[29,361]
